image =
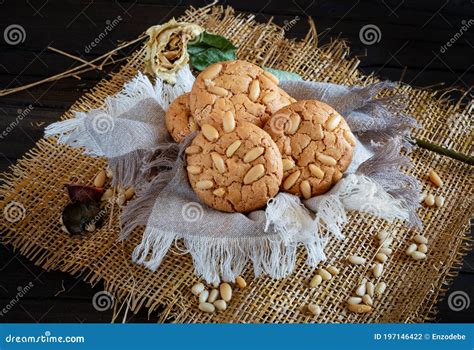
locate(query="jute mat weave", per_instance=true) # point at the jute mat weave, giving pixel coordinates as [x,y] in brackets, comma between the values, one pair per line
[36,183]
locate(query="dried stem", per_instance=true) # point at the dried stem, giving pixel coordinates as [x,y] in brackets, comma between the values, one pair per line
[444,151]
[74,57]
[85,67]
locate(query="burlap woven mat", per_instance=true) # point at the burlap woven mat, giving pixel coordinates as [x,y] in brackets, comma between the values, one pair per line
[36,183]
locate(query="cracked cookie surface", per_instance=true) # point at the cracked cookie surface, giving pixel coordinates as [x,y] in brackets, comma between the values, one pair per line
[179,120]
[316,146]
[234,171]
[247,90]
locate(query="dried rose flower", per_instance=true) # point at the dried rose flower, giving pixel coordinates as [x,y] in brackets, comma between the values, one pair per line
[166,50]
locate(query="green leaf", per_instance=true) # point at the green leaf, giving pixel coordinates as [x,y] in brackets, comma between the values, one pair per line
[206,39]
[283,75]
[209,56]
[208,48]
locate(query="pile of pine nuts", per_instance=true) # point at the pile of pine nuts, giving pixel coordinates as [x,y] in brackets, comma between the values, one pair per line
[429,199]
[362,301]
[418,249]
[208,300]
[383,253]
[323,275]
[118,195]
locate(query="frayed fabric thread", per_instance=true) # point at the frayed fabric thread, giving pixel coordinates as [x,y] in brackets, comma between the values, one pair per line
[128,127]
[165,160]
[217,259]
[386,167]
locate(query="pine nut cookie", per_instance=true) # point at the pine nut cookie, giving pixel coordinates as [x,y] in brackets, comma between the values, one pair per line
[316,144]
[179,120]
[238,86]
[234,171]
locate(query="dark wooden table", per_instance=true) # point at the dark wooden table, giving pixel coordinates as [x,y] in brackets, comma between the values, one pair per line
[410,49]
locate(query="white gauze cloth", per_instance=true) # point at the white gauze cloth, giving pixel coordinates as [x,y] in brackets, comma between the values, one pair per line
[221,244]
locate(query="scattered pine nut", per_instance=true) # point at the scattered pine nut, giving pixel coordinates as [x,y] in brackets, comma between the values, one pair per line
[381,257]
[108,194]
[354,300]
[411,248]
[370,288]
[423,196]
[356,260]
[423,248]
[386,251]
[360,291]
[241,282]
[360,308]
[108,172]
[100,178]
[226,291]
[314,309]
[215,284]
[367,299]
[435,179]
[380,288]
[325,275]
[315,281]
[439,201]
[220,305]
[333,270]
[429,200]
[207,307]
[420,239]
[213,295]
[377,270]
[203,296]
[418,255]
[197,288]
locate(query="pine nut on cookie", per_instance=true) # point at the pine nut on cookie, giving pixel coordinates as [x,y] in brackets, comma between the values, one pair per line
[316,145]
[243,88]
[235,171]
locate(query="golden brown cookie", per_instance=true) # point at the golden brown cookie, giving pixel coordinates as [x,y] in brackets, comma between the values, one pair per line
[316,145]
[238,86]
[234,171]
[179,120]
